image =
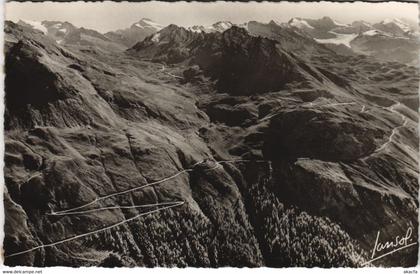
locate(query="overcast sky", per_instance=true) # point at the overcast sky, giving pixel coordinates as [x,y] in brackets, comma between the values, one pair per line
[106,16]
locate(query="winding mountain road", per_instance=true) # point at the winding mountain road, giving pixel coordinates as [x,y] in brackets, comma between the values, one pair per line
[121,193]
[395,130]
[312,105]
[363,110]
[109,208]
[96,200]
[167,205]
[91,232]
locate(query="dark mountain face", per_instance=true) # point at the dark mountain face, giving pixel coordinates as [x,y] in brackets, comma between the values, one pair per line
[242,64]
[251,65]
[206,150]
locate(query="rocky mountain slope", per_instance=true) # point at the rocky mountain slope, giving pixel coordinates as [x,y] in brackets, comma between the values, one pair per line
[207,150]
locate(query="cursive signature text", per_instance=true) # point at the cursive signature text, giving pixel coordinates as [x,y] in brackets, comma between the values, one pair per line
[398,243]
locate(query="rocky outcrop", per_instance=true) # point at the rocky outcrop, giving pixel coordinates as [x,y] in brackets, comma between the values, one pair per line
[253,65]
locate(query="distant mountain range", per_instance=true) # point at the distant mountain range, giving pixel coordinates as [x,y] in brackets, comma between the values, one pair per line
[65,33]
[388,40]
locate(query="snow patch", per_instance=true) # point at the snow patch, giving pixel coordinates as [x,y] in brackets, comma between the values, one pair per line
[372,32]
[216,27]
[299,23]
[197,29]
[36,25]
[343,39]
[156,37]
[222,26]
[339,24]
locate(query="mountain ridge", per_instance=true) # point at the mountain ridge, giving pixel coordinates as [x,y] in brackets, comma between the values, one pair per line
[358,37]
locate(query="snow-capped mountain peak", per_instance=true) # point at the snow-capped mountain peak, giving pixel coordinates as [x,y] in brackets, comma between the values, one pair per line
[146,23]
[399,23]
[58,28]
[220,26]
[34,24]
